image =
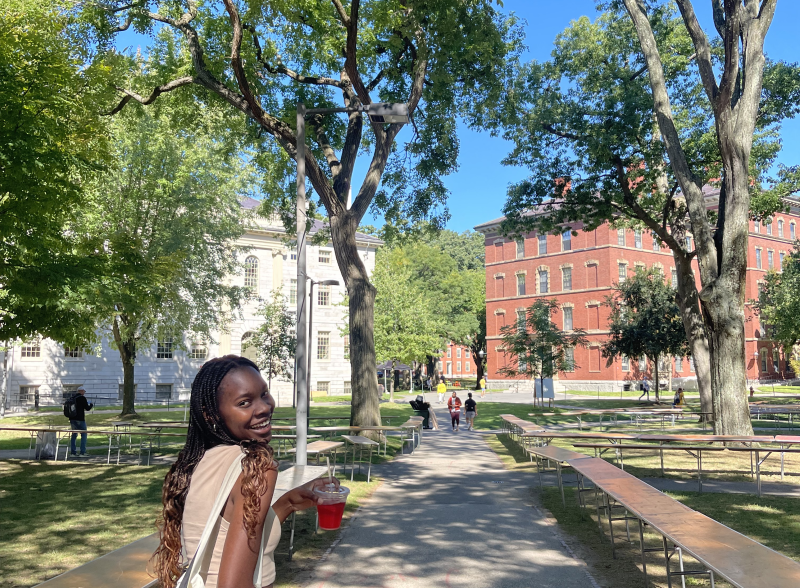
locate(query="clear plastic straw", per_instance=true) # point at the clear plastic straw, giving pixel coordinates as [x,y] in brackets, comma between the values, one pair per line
[330,476]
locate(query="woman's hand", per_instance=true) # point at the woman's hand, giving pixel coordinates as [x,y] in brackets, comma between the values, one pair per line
[300,498]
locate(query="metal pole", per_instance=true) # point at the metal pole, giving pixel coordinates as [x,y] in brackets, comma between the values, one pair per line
[310,342]
[302,343]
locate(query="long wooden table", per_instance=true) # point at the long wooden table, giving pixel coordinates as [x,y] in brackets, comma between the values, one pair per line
[722,551]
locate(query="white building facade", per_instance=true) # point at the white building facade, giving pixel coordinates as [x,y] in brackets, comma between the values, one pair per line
[44,372]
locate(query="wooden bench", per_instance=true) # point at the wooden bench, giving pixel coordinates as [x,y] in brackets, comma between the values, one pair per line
[757,451]
[695,451]
[722,551]
[127,567]
[320,448]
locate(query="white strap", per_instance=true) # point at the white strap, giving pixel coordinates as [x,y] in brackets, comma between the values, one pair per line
[198,567]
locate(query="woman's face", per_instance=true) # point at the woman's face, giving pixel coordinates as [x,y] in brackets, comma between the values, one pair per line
[245,405]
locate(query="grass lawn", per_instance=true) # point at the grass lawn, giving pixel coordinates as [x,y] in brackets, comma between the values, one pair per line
[780,389]
[56,517]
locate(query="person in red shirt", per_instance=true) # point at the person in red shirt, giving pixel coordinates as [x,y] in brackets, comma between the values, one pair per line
[454,406]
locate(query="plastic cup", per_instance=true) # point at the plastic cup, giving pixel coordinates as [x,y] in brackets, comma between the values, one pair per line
[330,507]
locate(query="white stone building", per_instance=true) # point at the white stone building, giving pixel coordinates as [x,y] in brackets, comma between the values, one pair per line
[42,372]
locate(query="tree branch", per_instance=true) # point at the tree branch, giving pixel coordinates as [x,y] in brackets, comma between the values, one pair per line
[168,87]
[350,62]
[342,13]
[701,47]
[563,134]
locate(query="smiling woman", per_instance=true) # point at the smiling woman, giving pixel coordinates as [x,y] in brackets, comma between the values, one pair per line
[230,420]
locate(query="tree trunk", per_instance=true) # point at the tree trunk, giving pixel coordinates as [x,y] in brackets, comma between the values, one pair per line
[478,367]
[394,381]
[364,408]
[127,354]
[655,379]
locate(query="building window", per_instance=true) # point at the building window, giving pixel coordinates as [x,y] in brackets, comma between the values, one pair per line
[520,248]
[458,367]
[567,318]
[248,349]
[566,278]
[543,285]
[758,258]
[656,243]
[776,359]
[251,274]
[637,239]
[163,391]
[348,389]
[674,278]
[569,359]
[449,368]
[520,284]
[324,388]
[292,291]
[769,227]
[542,244]
[626,363]
[164,348]
[756,226]
[520,319]
[780,261]
[347,347]
[458,352]
[29,395]
[642,364]
[780,228]
[621,237]
[566,241]
[466,353]
[769,259]
[293,256]
[467,366]
[449,352]
[792,232]
[324,256]
[679,364]
[199,350]
[323,345]
[73,352]
[763,352]
[623,272]
[32,348]
[324,295]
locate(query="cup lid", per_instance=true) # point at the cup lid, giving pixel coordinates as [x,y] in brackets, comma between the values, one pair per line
[330,491]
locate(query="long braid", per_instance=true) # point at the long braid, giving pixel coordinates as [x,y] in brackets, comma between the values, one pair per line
[206,430]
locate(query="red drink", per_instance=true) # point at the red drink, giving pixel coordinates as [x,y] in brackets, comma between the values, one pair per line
[330,515]
[330,506]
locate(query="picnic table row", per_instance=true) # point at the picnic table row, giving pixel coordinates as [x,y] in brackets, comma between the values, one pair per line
[722,552]
[694,445]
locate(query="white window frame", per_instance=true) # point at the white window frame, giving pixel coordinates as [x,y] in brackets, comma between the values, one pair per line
[325,256]
[566,240]
[251,273]
[160,393]
[521,290]
[637,239]
[31,350]
[165,349]
[567,312]
[542,240]
[520,248]
[323,345]
[324,295]
[621,237]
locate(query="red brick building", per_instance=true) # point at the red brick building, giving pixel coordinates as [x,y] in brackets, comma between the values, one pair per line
[579,271]
[457,362]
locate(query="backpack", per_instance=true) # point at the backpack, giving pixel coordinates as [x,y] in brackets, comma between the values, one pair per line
[71,408]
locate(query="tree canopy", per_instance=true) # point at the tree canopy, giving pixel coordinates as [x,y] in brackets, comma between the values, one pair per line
[779,302]
[275,339]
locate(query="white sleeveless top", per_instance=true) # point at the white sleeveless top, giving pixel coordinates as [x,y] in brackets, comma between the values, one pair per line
[203,490]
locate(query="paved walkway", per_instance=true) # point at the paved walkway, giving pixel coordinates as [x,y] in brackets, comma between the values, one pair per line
[450,515]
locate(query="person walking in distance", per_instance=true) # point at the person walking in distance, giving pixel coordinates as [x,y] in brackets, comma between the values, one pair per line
[645,388]
[441,389]
[78,423]
[454,406]
[483,387]
[470,411]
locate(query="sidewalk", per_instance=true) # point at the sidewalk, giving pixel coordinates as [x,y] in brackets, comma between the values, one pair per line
[450,515]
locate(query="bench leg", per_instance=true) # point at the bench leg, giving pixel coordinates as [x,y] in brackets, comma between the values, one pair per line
[610,525]
[560,483]
[369,467]
[666,562]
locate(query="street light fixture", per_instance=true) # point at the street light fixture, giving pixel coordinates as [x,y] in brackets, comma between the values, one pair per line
[378,113]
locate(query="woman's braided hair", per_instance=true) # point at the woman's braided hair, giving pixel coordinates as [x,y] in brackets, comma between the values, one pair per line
[207,430]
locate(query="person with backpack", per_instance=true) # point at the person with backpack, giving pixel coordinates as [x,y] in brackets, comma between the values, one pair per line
[471,411]
[75,410]
[454,406]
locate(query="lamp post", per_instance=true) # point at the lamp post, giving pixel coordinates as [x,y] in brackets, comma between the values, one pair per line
[379,113]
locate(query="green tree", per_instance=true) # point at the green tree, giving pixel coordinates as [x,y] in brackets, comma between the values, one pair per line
[645,321]
[166,215]
[614,145]
[275,340]
[52,140]
[444,59]
[537,347]
[779,303]
[407,328]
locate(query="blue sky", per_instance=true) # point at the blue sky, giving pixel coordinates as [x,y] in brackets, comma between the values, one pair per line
[478,189]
